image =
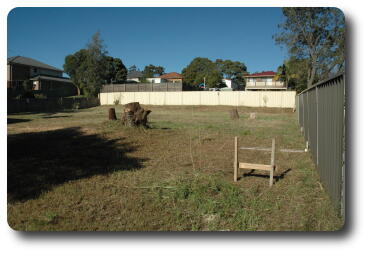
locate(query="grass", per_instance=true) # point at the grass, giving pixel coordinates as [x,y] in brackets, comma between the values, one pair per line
[74,170]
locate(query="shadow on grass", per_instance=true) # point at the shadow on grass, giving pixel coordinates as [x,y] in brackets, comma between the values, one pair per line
[276,176]
[16,120]
[46,117]
[39,161]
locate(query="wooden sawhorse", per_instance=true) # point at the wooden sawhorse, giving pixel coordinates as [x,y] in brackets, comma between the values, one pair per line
[242,165]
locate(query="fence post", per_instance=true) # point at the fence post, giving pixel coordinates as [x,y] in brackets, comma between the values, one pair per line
[236,164]
[272,161]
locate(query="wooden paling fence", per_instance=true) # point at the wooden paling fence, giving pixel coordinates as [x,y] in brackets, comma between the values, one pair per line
[143,87]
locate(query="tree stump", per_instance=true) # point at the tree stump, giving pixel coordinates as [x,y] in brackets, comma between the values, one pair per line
[135,115]
[234,114]
[112,114]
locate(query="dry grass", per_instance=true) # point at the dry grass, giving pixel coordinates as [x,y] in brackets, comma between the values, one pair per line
[76,171]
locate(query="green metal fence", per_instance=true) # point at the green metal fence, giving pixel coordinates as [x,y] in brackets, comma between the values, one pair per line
[321,114]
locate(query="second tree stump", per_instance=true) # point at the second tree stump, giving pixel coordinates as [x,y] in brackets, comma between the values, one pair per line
[112,115]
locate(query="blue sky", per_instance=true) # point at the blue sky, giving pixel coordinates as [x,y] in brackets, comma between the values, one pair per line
[170,37]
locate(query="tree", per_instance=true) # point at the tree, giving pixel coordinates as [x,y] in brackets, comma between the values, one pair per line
[199,69]
[152,70]
[75,67]
[133,68]
[95,71]
[294,72]
[89,68]
[316,35]
[115,70]
[233,70]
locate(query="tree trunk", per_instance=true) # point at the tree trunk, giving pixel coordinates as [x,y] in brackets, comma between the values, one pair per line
[78,90]
[112,115]
[312,72]
[311,77]
[135,115]
[234,114]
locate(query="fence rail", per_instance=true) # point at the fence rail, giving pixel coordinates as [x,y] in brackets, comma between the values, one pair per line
[142,87]
[321,115]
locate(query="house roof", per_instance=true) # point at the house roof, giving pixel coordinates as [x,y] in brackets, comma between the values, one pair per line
[134,74]
[172,75]
[262,74]
[31,62]
[44,77]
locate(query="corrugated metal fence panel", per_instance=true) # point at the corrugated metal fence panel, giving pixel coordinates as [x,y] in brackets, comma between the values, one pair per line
[322,115]
[312,123]
[301,110]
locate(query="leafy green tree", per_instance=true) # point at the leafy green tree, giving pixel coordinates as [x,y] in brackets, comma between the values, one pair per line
[75,67]
[115,70]
[201,69]
[233,70]
[133,68]
[95,71]
[294,72]
[316,35]
[152,70]
[89,68]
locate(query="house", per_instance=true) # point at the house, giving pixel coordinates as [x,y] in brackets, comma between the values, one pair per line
[44,77]
[230,84]
[156,80]
[134,76]
[263,81]
[172,77]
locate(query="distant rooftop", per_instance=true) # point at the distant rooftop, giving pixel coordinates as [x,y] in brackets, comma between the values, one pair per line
[45,77]
[31,62]
[262,74]
[135,74]
[171,75]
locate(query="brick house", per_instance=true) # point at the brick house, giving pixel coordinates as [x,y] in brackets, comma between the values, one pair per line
[172,77]
[44,77]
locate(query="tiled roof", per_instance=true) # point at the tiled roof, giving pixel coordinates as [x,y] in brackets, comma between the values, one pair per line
[171,75]
[262,74]
[31,62]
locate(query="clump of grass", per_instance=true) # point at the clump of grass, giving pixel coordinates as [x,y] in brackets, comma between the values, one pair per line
[109,126]
[246,133]
[209,201]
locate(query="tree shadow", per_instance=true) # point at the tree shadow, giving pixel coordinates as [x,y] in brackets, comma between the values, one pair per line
[276,176]
[37,162]
[46,117]
[17,120]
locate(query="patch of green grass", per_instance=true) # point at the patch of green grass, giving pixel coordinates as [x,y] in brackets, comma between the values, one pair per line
[246,133]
